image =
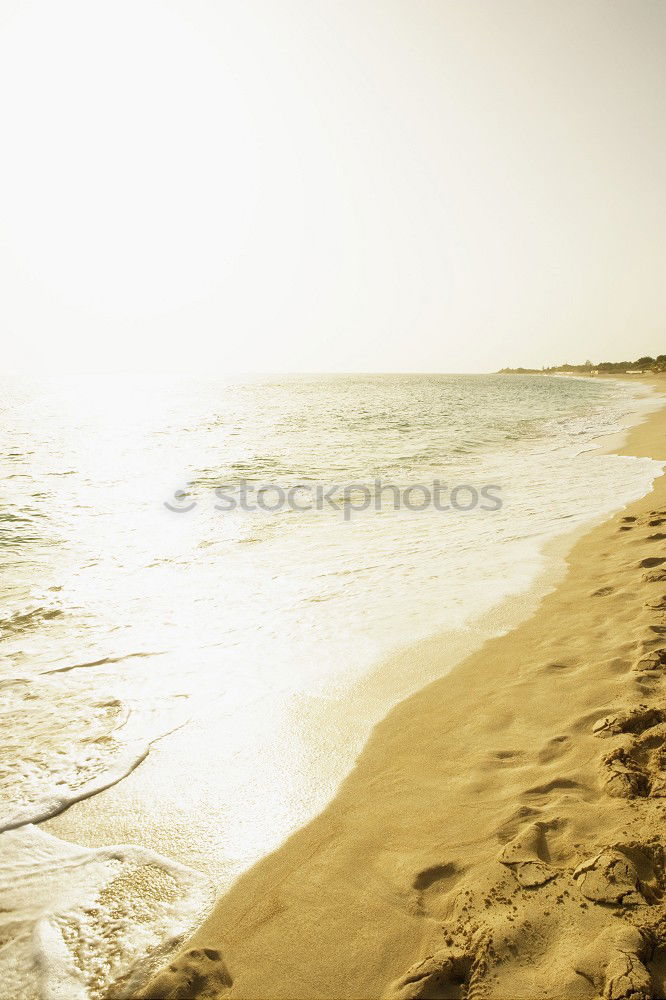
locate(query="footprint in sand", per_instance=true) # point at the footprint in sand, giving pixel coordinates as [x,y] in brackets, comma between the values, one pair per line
[555,666]
[528,857]
[543,794]
[432,886]
[615,964]
[430,876]
[610,878]
[653,663]
[635,769]
[197,974]
[623,875]
[649,645]
[635,720]
[553,748]
[651,561]
[448,974]
[505,758]
[515,823]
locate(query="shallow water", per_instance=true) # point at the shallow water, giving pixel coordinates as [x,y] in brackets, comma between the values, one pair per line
[216,648]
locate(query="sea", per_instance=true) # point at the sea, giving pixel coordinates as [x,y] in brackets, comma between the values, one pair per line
[207,586]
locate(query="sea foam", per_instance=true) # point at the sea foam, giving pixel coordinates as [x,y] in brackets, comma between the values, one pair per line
[85,923]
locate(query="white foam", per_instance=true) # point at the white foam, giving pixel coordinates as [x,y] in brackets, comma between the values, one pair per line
[64,741]
[60,745]
[76,922]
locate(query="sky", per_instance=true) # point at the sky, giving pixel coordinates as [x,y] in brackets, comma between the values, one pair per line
[308,185]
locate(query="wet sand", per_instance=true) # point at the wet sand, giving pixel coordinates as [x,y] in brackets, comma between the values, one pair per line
[502,834]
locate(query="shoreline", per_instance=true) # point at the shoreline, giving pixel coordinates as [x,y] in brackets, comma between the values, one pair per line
[410,843]
[203,823]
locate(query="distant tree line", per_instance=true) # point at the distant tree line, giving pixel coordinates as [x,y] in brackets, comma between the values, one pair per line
[645,364]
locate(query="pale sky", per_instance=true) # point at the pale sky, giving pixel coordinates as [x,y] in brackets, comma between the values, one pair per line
[306,185]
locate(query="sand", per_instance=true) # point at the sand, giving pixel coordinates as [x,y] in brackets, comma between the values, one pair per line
[502,835]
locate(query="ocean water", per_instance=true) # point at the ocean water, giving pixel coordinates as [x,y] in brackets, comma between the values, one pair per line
[207,660]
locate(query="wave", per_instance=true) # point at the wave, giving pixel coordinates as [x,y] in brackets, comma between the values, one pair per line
[20,621]
[89,923]
[61,745]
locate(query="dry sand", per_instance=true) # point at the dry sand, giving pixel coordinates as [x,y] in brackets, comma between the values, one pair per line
[502,835]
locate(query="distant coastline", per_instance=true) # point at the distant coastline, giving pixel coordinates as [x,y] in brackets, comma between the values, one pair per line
[643,366]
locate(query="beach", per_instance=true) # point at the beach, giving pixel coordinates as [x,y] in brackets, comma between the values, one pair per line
[211,716]
[333,506]
[501,834]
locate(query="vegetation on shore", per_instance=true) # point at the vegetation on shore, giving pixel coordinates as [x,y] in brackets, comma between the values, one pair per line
[645,364]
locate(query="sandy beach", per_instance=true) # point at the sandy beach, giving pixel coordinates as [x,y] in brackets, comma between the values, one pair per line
[502,833]
[333,508]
